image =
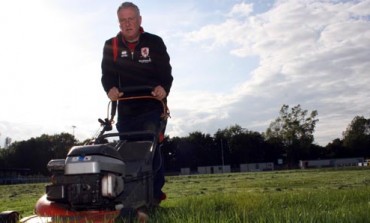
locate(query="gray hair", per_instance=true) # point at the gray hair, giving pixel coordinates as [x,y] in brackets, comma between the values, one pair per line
[126,5]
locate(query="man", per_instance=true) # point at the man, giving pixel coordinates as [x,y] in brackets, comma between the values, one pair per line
[137,58]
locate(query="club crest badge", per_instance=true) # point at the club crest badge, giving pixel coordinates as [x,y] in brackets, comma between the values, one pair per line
[145,52]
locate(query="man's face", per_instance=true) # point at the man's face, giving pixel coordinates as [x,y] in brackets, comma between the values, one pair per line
[129,23]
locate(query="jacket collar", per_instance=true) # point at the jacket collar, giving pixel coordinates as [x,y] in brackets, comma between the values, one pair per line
[120,36]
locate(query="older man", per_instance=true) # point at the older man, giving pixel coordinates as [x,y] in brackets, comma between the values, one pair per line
[137,58]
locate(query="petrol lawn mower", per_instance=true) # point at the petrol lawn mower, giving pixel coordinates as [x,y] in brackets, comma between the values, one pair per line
[106,180]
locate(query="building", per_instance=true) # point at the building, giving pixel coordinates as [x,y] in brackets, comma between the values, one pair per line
[213,169]
[252,167]
[185,171]
[304,164]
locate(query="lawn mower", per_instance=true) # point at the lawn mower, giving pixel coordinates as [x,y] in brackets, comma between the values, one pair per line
[105,180]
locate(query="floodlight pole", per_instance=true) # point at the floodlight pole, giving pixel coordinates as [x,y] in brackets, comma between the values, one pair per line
[73,130]
[222,155]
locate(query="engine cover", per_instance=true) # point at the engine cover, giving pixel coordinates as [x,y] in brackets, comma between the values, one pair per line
[93,159]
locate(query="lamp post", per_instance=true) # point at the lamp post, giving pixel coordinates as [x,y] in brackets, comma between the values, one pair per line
[222,155]
[73,130]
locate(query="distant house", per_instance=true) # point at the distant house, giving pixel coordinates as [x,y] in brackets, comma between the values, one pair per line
[213,169]
[185,171]
[304,164]
[252,167]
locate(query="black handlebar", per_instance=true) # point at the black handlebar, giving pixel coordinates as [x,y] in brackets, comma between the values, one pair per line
[136,90]
[129,93]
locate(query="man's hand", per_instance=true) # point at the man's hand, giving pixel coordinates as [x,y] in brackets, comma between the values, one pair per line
[159,92]
[114,94]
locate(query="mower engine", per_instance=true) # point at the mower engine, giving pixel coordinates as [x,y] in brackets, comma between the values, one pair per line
[90,178]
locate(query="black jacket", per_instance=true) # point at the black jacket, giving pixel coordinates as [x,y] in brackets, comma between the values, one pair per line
[149,64]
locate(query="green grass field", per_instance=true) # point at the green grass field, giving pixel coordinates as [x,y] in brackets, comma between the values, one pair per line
[325,195]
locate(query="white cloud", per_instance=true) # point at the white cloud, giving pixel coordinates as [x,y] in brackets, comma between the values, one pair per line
[241,9]
[311,53]
[51,70]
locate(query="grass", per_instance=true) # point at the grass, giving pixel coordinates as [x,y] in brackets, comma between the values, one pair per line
[286,196]
[322,195]
[21,197]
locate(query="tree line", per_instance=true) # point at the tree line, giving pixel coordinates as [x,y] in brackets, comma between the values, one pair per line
[289,138]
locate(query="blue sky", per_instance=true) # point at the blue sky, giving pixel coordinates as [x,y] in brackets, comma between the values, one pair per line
[234,62]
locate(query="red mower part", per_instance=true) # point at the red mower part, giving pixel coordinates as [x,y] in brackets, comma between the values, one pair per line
[49,212]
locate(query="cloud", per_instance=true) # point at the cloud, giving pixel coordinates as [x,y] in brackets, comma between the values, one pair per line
[312,53]
[232,64]
[50,70]
[242,10]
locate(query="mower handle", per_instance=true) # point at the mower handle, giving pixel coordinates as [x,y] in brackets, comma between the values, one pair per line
[129,93]
[136,90]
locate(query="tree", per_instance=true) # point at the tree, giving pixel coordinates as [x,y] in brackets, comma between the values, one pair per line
[204,148]
[35,153]
[225,146]
[60,144]
[185,153]
[169,147]
[275,150]
[357,137]
[295,130]
[336,149]
[241,145]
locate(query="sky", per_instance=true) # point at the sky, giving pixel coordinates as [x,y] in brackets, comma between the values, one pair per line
[233,62]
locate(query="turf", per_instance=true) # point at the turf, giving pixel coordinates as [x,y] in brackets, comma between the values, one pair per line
[320,195]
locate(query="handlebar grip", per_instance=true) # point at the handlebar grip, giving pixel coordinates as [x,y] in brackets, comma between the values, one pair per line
[137,89]
[101,121]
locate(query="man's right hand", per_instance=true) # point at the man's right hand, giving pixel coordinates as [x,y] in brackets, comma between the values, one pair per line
[114,94]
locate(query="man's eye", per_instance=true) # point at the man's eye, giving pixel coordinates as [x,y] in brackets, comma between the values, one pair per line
[128,20]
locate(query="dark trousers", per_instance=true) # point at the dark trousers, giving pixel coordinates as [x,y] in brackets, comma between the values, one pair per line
[147,121]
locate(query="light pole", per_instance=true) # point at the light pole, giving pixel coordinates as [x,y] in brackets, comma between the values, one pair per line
[222,155]
[73,130]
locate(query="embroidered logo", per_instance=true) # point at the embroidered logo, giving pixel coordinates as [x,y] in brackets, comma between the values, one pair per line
[145,58]
[145,52]
[124,53]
